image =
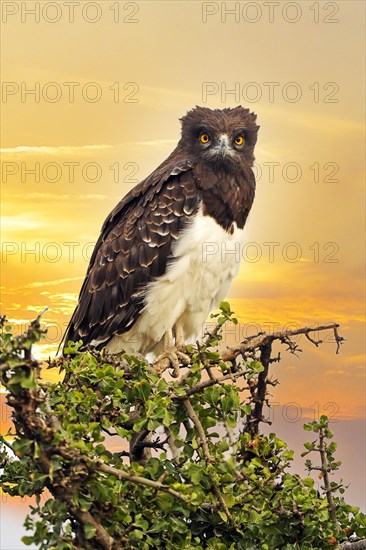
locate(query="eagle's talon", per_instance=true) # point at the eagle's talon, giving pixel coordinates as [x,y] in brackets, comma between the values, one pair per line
[183,357]
[161,364]
[171,357]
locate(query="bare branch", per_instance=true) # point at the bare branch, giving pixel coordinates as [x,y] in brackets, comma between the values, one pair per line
[339,339]
[201,432]
[261,339]
[121,474]
[328,490]
[212,381]
[315,342]
[101,535]
[259,392]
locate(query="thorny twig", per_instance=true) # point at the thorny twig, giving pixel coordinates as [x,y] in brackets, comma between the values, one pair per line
[261,339]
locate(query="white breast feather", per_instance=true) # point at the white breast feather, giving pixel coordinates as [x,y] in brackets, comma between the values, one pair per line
[206,259]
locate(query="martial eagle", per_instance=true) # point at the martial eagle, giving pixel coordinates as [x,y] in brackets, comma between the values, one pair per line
[151,277]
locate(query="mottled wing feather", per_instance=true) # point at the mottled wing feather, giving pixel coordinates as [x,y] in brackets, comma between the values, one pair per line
[133,249]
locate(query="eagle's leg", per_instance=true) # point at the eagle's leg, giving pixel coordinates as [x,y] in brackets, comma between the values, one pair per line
[179,334]
[163,361]
[172,356]
[180,342]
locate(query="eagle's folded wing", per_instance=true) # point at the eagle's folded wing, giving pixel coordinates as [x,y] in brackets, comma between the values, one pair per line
[133,249]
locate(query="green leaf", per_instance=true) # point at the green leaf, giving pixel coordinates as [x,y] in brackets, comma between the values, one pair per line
[28,383]
[36,450]
[27,540]
[225,308]
[22,447]
[164,501]
[280,444]
[89,531]
[139,424]
[227,404]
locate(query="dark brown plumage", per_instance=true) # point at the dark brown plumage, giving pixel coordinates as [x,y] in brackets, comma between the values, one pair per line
[136,244]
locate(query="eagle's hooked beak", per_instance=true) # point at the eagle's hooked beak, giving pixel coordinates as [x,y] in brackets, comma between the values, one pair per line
[223,144]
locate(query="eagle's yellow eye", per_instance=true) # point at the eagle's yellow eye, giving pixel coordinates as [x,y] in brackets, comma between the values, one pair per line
[204,138]
[239,140]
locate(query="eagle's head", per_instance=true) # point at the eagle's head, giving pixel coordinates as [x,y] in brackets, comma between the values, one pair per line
[220,136]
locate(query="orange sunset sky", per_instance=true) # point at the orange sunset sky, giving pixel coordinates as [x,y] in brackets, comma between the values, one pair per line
[110,81]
